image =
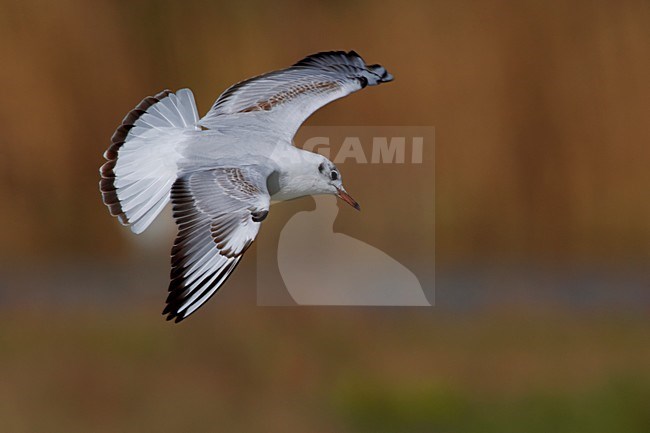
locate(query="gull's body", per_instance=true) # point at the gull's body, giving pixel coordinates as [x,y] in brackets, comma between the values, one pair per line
[205,150]
[221,171]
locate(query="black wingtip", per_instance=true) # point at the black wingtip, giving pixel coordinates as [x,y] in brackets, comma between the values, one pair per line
[368,75]
[353,53]
[325,58]
[172,316]
[379,71]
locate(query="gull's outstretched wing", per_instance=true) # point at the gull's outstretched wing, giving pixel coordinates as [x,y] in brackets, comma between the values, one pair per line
[218,213]
[282,100]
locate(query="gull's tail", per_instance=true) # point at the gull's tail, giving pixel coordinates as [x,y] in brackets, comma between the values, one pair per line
[143,157]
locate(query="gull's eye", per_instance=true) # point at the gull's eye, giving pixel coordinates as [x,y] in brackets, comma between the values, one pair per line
[334,175]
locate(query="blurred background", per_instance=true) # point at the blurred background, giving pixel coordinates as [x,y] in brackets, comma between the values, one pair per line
[542,222]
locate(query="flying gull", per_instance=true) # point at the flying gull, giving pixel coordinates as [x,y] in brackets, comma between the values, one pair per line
[221,172]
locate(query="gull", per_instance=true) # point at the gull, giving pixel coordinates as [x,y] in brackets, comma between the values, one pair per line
[222,171]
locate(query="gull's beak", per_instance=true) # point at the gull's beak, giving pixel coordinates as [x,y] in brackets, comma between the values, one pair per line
[343,195]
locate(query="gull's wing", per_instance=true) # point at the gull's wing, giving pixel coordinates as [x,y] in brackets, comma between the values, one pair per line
[282,100]
[218,213]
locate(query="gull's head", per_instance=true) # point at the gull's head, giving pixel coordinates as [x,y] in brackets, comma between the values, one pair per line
[328,181]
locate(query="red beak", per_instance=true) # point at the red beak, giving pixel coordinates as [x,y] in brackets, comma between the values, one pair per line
[343,195]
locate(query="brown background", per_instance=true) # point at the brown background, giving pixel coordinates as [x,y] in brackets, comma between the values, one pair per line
[542,223]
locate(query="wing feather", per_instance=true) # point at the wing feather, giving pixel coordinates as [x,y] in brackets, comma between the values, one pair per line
[282,100]
[217,216]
